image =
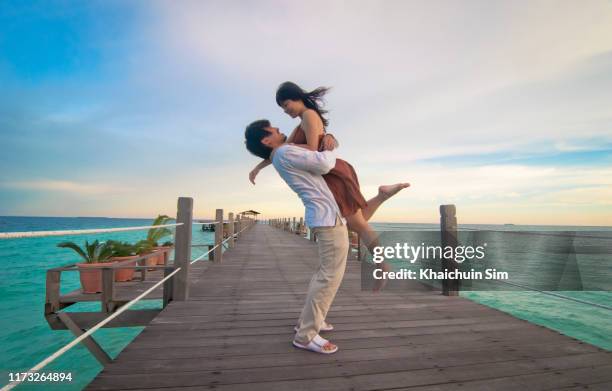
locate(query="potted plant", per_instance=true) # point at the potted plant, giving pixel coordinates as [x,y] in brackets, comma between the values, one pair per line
[154,235]
[164,248]
[144,247]
[123,251]
[94,255]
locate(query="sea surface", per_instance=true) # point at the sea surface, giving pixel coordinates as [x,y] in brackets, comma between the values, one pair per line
[26,339]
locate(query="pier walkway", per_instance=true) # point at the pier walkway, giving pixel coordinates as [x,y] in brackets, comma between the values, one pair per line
[235,333]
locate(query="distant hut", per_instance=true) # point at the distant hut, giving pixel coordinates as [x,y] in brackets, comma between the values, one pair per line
[251,212]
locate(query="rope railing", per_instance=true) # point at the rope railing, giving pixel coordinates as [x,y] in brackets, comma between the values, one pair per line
[38,234]
[123,308]
[213,249]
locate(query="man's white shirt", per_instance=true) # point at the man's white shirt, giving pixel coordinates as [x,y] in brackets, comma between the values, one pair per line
[302,170]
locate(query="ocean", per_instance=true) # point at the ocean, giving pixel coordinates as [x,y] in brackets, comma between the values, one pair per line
[26,339]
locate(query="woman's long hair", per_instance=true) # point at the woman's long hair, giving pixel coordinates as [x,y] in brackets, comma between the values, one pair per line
[312,100]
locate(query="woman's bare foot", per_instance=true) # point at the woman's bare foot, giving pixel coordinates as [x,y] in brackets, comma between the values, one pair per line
[389,191]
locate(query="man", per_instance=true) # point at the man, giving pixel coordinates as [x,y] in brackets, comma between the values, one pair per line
[301,169]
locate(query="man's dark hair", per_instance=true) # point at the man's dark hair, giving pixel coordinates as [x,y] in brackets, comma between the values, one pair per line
[253,135]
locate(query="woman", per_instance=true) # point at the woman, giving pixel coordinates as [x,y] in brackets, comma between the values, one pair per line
[342,179]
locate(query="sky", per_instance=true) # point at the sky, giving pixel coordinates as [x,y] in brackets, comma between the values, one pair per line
[116,108]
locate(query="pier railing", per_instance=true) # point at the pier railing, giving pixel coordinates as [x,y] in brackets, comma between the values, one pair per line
[297,226]
[116,298]
[564,243]
[448,233]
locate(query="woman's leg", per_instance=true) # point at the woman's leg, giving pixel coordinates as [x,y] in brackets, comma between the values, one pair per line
[357,222]
[369,238]
[384,193]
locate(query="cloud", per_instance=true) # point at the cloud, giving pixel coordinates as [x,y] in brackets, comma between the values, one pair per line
[74,188]
[410,80]
[515,184]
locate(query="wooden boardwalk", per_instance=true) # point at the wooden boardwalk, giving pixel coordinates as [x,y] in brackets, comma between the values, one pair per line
[235,333]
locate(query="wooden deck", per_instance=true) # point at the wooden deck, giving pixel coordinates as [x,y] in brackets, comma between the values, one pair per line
[235,333]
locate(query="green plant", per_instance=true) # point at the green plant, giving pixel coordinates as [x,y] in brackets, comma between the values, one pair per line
[154,235]
[168,244]
[92,253]
[122,249]
[144,247]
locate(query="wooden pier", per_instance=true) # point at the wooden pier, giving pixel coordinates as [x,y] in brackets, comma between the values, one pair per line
[235,331]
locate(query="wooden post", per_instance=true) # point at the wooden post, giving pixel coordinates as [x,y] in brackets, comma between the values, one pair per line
[238,225]
[301,226]
[230,242]
[90,343]
[448,231]
[182,249]
[218,235]
[210,252]
[293,227]
[168,289]
[108,290]
[52,303]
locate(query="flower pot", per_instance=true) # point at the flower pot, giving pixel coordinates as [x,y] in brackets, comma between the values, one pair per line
[124,274]
[150,261]
[161,257]
[91,276]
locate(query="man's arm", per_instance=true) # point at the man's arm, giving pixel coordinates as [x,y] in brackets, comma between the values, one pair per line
[312,161]
[263,164]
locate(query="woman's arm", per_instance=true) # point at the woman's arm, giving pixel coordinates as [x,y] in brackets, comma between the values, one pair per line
[263,164]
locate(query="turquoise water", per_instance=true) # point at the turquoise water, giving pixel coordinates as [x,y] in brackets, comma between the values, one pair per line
[25,336]
[26,339]
[587,323]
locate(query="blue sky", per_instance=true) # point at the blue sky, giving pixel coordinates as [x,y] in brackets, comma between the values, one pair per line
[116,108]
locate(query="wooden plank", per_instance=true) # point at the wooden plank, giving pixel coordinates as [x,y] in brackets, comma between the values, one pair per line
[86,320]
[389,374]
[457,341]
[89,342]
[439,356]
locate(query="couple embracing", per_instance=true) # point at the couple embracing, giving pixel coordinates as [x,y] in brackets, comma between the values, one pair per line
[329,188]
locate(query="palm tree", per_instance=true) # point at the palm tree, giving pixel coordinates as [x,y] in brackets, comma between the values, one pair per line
[156,234]
[93,253]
